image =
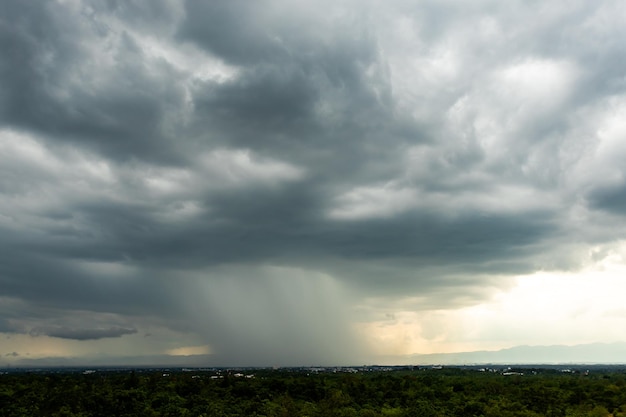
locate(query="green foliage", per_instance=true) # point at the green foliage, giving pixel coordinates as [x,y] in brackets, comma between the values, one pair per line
[402,393]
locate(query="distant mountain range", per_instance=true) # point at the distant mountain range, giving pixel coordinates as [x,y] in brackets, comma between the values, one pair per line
[594,353]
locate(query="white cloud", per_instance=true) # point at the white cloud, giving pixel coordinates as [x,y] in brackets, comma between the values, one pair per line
[373,202]
[241,167]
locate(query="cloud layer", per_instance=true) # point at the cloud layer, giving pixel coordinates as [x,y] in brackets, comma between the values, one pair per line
[260,177]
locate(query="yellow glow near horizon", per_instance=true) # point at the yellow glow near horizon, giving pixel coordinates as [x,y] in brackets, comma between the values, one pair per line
[543,308]
[190,350]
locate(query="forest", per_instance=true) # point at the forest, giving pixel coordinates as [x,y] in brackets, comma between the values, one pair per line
[400,392]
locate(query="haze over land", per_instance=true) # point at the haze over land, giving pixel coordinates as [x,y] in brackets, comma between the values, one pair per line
[292,183]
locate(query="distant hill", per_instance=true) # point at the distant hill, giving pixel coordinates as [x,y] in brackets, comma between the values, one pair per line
[594,353]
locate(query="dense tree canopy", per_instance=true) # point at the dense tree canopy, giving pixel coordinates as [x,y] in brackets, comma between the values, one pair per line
[401,392]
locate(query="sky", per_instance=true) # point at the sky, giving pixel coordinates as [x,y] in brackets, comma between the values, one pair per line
[309,182]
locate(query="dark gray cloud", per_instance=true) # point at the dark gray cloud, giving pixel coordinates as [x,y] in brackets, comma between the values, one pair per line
[7,327]
[254,39]
[111,98]
[82,334]
[613,201]
[170,163]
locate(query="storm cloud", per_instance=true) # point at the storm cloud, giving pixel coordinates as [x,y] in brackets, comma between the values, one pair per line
[260,177]
[82,334]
